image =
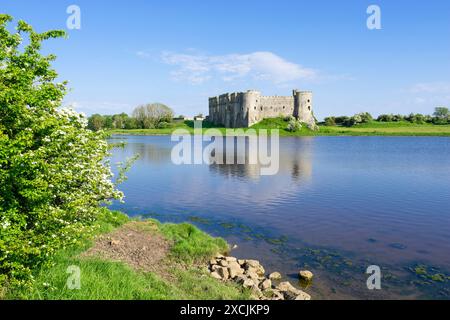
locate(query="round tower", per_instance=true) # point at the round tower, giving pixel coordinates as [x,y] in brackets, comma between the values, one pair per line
[303,101]
[250,103]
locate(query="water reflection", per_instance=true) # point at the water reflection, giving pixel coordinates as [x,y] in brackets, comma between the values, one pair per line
[296,161]
[383,200]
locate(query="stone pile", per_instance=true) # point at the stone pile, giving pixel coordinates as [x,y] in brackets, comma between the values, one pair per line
[251,274]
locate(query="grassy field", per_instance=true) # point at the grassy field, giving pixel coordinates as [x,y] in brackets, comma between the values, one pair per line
[373,128]
[104,279]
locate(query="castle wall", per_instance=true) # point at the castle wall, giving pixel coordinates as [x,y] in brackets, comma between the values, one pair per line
[243,109]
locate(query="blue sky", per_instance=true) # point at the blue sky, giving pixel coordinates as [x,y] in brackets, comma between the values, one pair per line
[181,52]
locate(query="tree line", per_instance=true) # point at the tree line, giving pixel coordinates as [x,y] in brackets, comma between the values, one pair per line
[148,116]
[440,116]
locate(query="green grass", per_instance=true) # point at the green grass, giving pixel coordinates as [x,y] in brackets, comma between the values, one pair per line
[373,128]
[102,279]
[190,244]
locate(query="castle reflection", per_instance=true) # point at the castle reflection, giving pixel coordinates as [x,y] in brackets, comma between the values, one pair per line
[294,159]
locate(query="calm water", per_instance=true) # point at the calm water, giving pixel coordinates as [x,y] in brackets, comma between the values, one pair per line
[337,205]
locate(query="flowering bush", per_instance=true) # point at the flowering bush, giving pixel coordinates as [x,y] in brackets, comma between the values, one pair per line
[294,125]
[53,172]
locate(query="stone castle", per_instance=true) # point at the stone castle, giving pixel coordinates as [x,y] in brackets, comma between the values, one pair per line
[243,109]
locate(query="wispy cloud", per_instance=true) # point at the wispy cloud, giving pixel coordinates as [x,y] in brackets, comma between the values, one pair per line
[261,65]
[430,93]
[431,87]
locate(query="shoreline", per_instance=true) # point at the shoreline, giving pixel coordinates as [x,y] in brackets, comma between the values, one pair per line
[128,258]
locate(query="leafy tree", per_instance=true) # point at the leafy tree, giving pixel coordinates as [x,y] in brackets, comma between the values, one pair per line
[108,122]
[148,116]
[350,122]
[330,121]
[365,117]
[385,118]
[53,170]
[119,120]
[441,112]
[96,122]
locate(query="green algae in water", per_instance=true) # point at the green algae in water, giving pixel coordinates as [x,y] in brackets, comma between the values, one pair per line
[199,220]
[227,225]
[420,270]
[277,241]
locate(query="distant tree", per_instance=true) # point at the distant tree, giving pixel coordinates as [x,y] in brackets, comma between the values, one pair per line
[385,118]
[441,112]
[330,121]
[416,118]
[131,123]
[119,120]
[150,115]
[351,121]
[341,120]
[365,117]
[108,122]
[96,122]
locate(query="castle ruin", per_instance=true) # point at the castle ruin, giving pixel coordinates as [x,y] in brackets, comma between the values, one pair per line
[243,109]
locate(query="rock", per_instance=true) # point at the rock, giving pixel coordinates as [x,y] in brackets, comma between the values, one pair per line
[256,292]
[305,275]
[230,259]
[223,272]
[216,275]
[234,269]
[266,284]
[254,266]
[286,286]
[240,279]
[252,263]
[273,294]
[219,257]
[215,267]
[275,276]
[223,263]
[241,261]
[252,275]
[292,293]
[212,262]
[248,283]
[303,296]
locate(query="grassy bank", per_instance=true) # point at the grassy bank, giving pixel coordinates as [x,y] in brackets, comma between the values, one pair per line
[180,274]
[374,128]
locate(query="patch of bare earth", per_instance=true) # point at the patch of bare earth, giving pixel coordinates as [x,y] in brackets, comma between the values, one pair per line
[137,244]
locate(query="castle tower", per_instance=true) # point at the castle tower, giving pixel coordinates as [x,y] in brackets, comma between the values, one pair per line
[250,102]
[303,107]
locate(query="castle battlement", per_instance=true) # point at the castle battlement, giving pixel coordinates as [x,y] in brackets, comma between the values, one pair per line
[243,109]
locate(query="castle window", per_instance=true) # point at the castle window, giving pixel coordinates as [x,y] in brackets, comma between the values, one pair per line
[261,108]
[309,101]
[284,107]
[309,108]
[255,108]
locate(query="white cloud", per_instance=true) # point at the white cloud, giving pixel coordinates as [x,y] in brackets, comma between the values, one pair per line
[431,87]
[262,65]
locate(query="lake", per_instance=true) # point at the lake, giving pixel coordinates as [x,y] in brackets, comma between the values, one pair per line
[336,206]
